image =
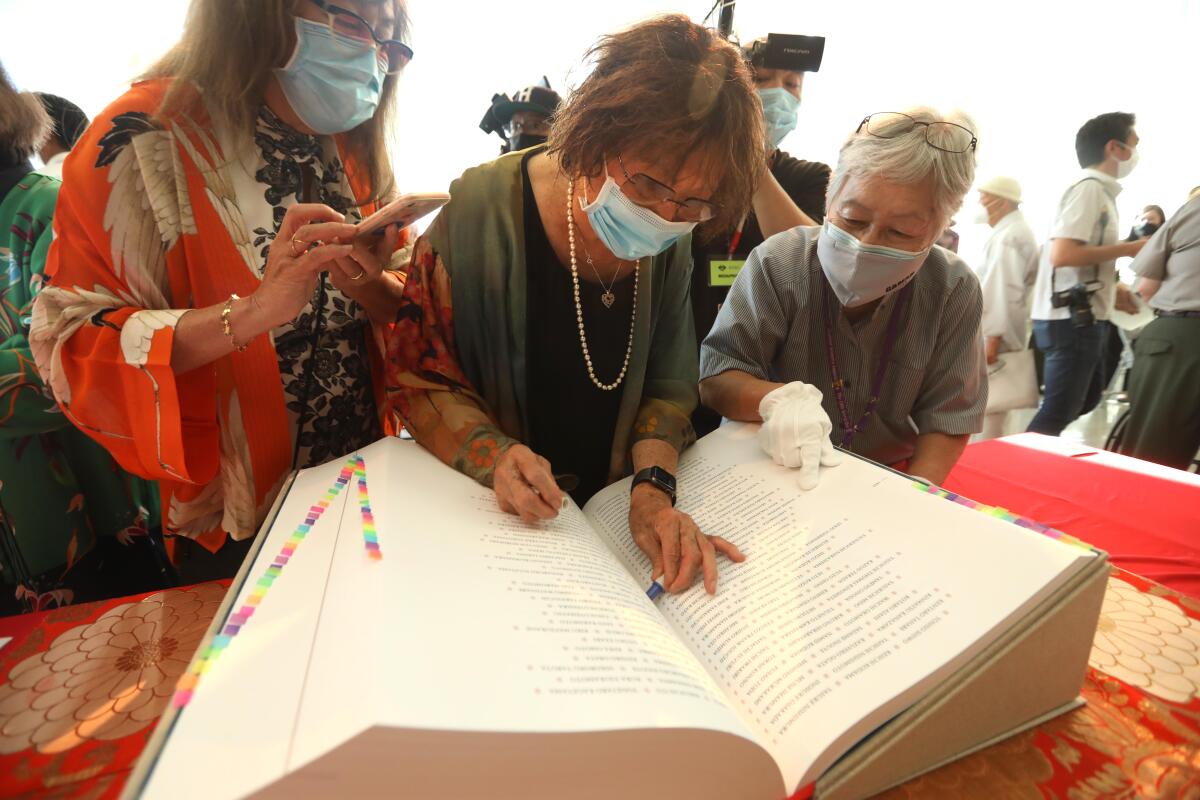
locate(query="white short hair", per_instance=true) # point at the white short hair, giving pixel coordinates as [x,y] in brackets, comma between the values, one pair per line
[908,158]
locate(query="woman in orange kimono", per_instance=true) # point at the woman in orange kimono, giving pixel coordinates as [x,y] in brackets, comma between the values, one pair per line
[208,312]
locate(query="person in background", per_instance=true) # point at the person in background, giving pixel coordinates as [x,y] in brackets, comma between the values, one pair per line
[208,314]
[545,342]
[863,321]
[791,193]
[1150,220]
[1164,386]
[1010,258]
[1006,276]
[65,503]
[1077,285]
[524,120]
[69,124]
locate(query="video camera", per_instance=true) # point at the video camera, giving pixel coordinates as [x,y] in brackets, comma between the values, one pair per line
[1079,300]
[491,122]
[787,51]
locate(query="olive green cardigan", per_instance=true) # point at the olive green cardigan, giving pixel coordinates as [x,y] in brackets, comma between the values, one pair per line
[480,238]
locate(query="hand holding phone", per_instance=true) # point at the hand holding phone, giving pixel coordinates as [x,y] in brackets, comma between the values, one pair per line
[401,212]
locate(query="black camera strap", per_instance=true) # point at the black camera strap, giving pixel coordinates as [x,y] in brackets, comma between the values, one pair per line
[309,193]
[1101,224]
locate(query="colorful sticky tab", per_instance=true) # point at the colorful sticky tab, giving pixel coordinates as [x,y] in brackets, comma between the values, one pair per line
[185,687]
[1003,514]
[370,535]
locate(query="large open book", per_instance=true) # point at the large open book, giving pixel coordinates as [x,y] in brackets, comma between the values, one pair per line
[394,633]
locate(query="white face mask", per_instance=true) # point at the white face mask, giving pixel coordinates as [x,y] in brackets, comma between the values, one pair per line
[981,216]
[860,273]
[1126,167]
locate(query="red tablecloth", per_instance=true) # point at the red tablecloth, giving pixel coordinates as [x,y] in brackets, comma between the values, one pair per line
[81,688]
[1147,517]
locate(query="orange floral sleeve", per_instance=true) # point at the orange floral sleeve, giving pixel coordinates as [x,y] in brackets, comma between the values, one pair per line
[426,387]
[103,327]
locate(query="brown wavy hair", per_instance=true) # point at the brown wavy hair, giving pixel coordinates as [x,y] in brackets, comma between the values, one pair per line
[667,89]
[24,123]
[229,49]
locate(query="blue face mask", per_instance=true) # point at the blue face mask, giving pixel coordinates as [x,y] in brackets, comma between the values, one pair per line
[332,82]
[779,113]
[628,230]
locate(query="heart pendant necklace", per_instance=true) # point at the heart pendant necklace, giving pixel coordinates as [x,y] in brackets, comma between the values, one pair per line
[608,297]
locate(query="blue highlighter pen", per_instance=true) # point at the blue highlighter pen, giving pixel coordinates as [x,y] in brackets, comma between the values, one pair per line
[656,588]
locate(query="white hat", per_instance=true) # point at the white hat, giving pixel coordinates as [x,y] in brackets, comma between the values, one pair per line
[1002,186]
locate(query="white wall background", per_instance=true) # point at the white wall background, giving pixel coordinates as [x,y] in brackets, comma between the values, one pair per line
[1030,71]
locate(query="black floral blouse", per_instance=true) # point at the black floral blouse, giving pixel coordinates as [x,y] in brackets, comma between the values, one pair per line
[323,353]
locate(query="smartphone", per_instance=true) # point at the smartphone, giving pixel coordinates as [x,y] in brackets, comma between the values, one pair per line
[403,212]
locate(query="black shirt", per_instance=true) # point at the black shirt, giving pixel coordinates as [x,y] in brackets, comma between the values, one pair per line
[571,421]
[11,173]
[805,182]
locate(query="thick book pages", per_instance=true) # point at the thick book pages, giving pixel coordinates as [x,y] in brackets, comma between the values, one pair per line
[395,633]
[856,598]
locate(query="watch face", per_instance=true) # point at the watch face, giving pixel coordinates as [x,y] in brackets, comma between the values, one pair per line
[666,479]
[659,478]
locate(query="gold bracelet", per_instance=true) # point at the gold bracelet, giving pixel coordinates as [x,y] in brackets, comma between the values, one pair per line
[226,311]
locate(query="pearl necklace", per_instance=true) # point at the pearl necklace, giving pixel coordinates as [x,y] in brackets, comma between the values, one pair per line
[587,357]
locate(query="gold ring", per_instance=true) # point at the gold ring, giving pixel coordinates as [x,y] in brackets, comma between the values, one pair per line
[294,240]
[358,277]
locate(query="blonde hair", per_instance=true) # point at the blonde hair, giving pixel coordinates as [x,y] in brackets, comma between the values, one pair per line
[229,49]
[908,158]
[24,123]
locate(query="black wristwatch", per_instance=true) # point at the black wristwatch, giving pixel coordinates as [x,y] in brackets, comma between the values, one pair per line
[657,477]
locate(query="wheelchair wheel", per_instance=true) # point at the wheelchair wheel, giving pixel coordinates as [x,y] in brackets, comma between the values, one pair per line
[1118,431]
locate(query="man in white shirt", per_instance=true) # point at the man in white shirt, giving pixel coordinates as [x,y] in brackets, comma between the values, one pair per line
[1010,262]
[1077,284]
[69,124]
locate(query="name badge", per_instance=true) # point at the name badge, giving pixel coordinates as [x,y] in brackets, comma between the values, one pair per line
[722,272]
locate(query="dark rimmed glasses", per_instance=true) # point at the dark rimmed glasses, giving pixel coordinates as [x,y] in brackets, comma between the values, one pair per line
[645,191]
[949,137]
[344,22]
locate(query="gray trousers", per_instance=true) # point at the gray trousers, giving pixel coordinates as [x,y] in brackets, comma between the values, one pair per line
[1164,390]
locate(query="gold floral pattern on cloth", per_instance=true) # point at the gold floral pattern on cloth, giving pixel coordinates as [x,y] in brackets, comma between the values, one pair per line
[1148,642]
[1012,769]
[1126,744]
[108,679]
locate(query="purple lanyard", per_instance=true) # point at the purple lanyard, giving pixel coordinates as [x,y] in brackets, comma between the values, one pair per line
[839,391]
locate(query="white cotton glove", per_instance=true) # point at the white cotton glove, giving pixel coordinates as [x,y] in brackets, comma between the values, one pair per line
[795,431]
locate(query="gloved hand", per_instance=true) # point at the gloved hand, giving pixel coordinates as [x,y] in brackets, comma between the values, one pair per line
[795,431]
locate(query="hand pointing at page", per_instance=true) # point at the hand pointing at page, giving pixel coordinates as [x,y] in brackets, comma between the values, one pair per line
[678,550]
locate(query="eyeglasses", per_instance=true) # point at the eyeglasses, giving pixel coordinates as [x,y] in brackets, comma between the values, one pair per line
[345,22]
[948,137]
[645,191]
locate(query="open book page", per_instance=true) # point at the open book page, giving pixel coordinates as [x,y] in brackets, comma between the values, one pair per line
[471,620]
[855,596]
